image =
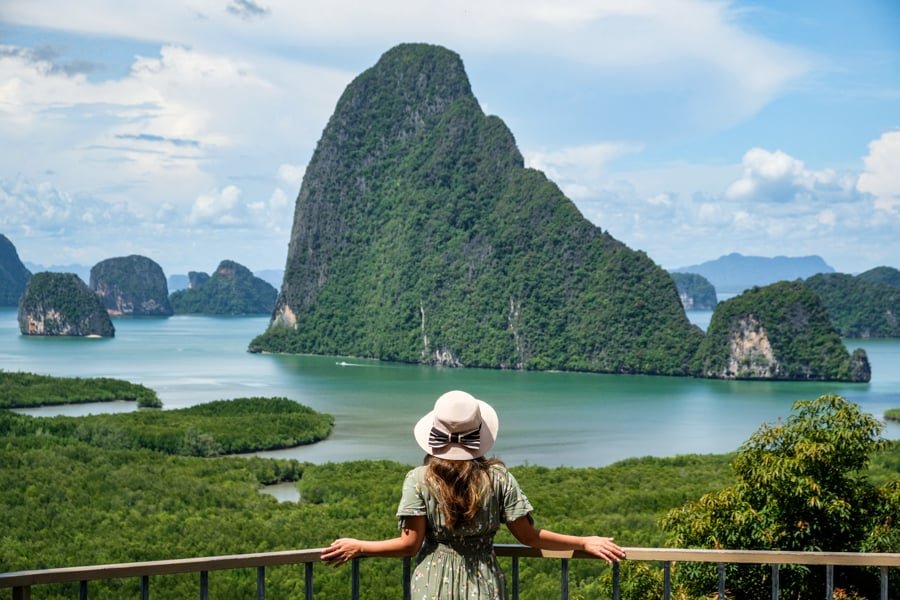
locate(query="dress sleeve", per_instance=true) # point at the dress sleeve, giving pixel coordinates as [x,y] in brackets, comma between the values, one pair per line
[514,503]
[412,502]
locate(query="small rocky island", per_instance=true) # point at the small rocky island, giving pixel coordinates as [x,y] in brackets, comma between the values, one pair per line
[695,291]
[231,290]
[62,304]
[13,274]
[131,285]
[780,331]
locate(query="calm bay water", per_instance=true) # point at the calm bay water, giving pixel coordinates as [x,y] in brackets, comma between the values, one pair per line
[548,419]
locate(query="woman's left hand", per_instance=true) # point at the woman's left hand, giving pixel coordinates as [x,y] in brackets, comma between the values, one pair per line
[341,551]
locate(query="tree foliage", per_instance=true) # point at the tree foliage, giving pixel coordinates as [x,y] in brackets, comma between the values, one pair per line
[212,429]
[21,390]
[862,306]
[801,484]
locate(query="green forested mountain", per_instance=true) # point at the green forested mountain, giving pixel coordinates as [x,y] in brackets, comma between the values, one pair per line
[62,304]
[13,274]
[131,285]
[695,291]
[419,236]
[232,290]
[862,306]
[780,331]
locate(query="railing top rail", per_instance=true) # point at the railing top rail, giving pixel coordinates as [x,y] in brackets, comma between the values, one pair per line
[286,557]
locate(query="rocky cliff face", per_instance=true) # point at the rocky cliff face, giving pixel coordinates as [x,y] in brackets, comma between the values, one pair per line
[61,304]
[419,236]
[131,285]
[781,331]
[13,274]
[231,290]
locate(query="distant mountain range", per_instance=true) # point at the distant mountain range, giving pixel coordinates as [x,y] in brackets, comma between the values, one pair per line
[735,272]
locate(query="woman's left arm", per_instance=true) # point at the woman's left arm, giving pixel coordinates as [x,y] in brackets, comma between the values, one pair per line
[406,544]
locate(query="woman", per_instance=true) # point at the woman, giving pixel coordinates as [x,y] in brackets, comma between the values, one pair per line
[453,504]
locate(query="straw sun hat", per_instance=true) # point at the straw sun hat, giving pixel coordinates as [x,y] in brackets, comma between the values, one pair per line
[461,427]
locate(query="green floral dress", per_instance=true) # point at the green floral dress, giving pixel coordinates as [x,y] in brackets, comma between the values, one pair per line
[459,564]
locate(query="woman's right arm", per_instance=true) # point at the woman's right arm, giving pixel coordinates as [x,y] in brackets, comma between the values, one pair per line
[525,531]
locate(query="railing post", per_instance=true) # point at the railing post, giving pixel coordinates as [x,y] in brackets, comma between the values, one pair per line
[260,583]
[667,580]
[515,578]
[884,583]
[829,582]
[21,593]
[82,590]
[354,579]
[615,570]
[721,581]
[204,585]
[407,575]
[564,574]
[776,581]
[308,580]
[145,587]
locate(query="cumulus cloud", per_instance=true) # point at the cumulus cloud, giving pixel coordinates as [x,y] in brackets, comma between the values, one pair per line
[776,177]
[881,177]
[216,208]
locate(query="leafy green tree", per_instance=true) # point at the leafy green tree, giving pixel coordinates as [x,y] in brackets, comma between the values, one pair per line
[800,485]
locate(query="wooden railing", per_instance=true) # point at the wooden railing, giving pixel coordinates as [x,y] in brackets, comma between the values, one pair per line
[21,582]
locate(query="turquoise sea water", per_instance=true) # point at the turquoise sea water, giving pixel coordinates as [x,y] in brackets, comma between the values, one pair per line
[550,419]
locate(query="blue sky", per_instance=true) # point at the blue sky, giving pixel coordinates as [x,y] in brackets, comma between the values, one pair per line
[690,129]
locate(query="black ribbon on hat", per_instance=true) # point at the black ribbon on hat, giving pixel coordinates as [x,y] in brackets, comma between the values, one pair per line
[469,439]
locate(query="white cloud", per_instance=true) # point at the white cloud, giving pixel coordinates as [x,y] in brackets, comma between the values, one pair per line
[776,177]
[291,174]
[217,208]
[881,178]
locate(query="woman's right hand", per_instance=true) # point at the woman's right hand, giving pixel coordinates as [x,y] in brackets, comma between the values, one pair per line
[604,547]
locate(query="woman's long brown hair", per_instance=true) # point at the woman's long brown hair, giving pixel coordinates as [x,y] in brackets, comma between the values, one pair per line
[460,486]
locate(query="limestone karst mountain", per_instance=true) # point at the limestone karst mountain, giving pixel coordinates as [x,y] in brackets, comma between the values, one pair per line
[13,274]
[131,285]
[231,290]
[61,304]
[419,236]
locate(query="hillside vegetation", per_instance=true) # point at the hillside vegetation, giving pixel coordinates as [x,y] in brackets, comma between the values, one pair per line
[231,290]
[420,237]
[862,306]
[781,331]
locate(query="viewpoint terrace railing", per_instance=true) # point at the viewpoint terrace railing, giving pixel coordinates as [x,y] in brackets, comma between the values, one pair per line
[21,582]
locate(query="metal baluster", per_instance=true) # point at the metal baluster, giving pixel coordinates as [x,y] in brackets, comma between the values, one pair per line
[354,579]
[829,582]
[615,569]
[204,585]
[82,590]
[308,580]
[145,587]
[407,575]
[564,574]
[260,583]
[667,580]
[721,581]
[776,581]
[884,583]
[515,574]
